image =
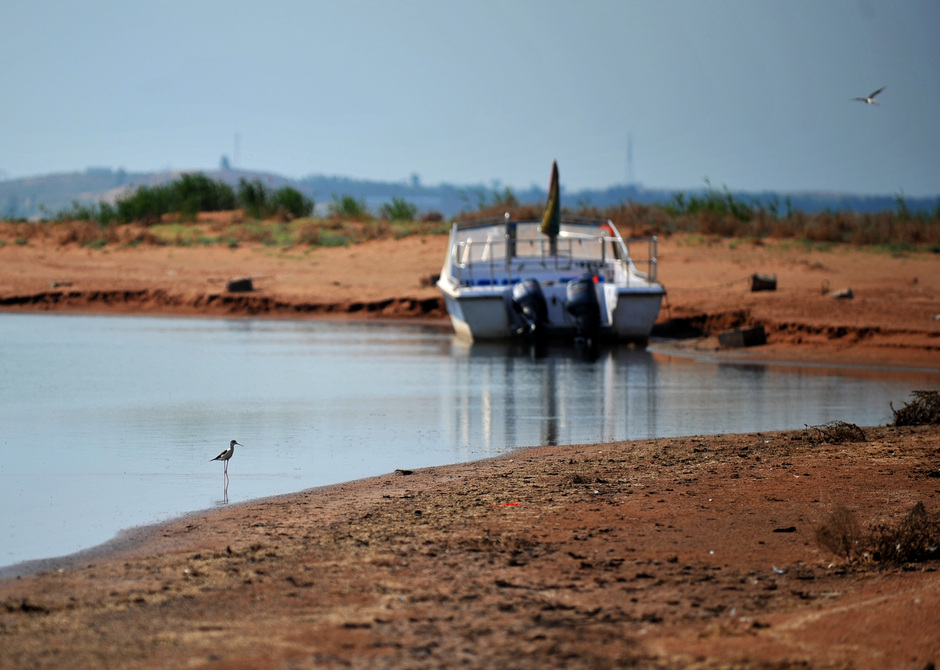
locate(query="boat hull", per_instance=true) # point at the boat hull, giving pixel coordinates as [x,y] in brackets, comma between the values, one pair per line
[480,316]
[487,315]
[636,313]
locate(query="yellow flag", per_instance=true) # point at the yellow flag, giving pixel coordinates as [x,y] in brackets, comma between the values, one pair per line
[551,219]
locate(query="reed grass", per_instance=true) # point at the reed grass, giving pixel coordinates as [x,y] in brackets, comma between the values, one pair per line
[719,214]
[283,218]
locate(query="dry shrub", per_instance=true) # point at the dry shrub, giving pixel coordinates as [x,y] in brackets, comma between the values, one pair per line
[915,538]
[134,235]
[373,230]
[84,233]
[791,227]
[720,224]
[830,226]
[222,218]
[632,219]
[924,409]
[307,232]
[840,533]
[327,232]
[249,232]
[20,230]
[837,432]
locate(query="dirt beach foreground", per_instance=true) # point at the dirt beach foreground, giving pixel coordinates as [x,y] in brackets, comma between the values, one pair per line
[695,552]
[691,552]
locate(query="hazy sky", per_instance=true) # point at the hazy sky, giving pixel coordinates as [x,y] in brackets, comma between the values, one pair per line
[752,95]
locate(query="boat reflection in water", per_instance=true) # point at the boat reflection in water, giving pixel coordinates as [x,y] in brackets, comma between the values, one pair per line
[511,395]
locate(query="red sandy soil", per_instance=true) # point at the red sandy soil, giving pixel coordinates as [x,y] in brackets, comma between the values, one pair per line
[695,552]
[689,552]
[892,319]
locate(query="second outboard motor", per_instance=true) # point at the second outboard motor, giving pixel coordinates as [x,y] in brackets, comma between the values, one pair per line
[529,303]
[581,303]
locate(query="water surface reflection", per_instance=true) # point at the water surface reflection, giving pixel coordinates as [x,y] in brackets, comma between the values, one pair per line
[111,422]
[508,396]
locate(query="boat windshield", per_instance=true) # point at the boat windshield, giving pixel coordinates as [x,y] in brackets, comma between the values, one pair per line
[522,239]
[501,248]
[485,244]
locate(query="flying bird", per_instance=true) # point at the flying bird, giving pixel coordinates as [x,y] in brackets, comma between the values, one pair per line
[227,454]
[870,100]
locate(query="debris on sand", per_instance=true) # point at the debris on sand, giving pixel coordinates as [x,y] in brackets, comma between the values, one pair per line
[837,432]
[924,409]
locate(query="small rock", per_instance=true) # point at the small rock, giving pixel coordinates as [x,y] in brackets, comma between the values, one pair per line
[242,285]
[761,282]
[743,337]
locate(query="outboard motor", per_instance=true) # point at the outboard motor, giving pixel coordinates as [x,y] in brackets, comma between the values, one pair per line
[529,303]
[581,303]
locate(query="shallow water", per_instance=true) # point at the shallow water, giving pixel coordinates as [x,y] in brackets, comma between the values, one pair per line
[111,422]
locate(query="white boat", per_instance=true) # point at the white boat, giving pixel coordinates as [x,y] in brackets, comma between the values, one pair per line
[504,278]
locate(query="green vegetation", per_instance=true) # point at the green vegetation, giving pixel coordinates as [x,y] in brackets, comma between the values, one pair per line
[348,207]
[715,203]
[399,210]
[190,195]
[261,202]
[197,210]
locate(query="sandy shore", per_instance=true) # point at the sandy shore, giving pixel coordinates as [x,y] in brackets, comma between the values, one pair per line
[891,320]
[696,552]
[692,552]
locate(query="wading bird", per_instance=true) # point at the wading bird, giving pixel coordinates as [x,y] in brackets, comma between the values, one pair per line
[870,100]
[227,454]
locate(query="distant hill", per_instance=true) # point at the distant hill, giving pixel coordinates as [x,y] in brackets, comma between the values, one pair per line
[45,196]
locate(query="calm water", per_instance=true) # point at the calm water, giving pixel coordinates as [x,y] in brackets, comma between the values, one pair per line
[110,422]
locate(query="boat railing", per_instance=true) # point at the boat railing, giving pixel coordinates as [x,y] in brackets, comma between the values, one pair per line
[647,258]
[504,259]
[463,265]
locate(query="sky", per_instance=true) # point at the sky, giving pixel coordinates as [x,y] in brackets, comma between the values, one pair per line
[747,94]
